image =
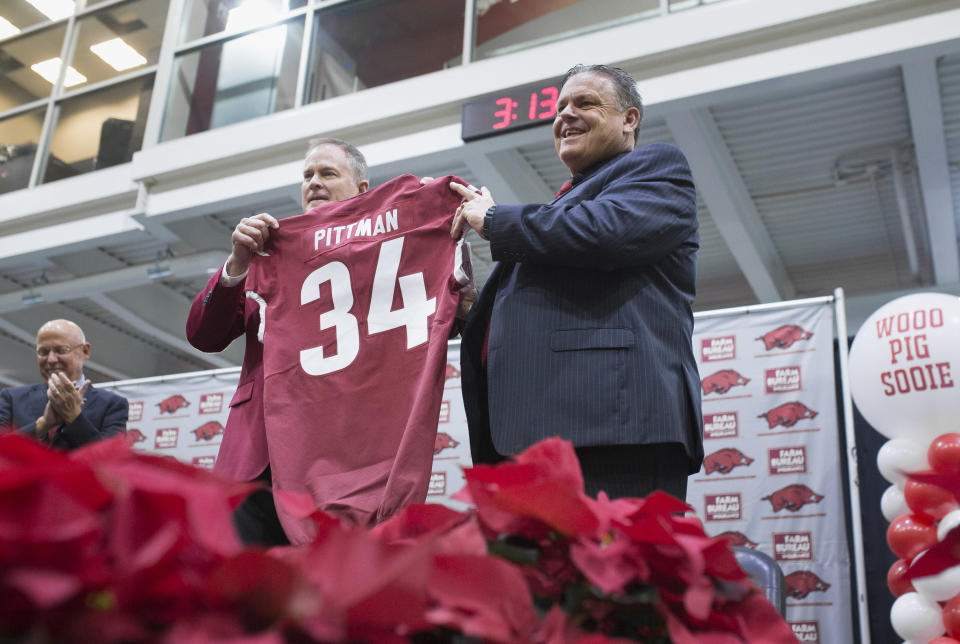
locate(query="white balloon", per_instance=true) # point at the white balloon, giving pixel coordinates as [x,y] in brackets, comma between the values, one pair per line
[939,587]
[904,366]
[892,503]
[916,618]
[902,455]
[949,521]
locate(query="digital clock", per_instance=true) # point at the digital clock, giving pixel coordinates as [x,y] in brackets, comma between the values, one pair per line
[509,111]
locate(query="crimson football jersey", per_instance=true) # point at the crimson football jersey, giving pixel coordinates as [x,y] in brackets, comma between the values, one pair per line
[357,299]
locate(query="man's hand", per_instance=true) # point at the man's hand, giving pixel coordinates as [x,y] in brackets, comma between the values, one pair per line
[468,295]
[65,398]
[471,211]
[46,422]
[248,238]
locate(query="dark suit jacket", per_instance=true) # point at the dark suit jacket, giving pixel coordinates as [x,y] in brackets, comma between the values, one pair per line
[217,317]
[104,414]
[590,319]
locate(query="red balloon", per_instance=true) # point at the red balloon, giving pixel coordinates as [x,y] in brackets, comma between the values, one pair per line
[895,581]
[928,500]
[911,534]
[944,453]
[943,640]
[951,616]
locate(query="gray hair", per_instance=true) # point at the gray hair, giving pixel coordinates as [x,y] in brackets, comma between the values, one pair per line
[623,83]
[355,159]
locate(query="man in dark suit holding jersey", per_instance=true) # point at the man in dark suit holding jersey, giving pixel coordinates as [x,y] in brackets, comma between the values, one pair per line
[584,327]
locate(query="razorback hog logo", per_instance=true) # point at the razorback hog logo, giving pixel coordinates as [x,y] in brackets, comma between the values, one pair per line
[724,460]
[452,372]
[787,414]
[172,404]
[443,441]
[207,431]
[793,497]
[735,538]
[784,336]
[721,381]
[803,582]
[135,436]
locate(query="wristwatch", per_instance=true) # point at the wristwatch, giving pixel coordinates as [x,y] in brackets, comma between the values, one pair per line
[487,220]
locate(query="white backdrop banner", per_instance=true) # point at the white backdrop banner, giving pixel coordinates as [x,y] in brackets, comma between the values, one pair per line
[772,477]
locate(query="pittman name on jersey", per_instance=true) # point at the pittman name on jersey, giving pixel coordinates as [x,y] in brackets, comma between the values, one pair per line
[367,227]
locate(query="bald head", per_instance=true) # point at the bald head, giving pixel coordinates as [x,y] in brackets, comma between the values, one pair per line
[61,346]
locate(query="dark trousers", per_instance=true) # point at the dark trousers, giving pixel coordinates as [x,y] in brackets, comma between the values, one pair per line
[256,518]
[635,470]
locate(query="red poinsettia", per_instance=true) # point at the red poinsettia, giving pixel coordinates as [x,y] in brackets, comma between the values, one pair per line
[108,545]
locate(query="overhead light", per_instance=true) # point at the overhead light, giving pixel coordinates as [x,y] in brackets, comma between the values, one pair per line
[54,9]
[251,13]
[7,28]
[32,297]
[50,69]
[118,54]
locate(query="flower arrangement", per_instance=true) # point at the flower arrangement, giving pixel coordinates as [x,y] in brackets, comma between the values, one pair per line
[106,545]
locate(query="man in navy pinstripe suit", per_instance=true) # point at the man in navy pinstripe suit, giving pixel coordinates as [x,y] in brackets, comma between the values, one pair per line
[583,329]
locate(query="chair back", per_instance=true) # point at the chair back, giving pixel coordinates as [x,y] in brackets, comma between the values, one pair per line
[765,573]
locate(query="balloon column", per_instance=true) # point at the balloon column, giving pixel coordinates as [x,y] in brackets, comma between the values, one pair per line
[904,368]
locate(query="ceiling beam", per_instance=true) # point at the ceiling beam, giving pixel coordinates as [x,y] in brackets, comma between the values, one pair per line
[722,187]
[185,266]
[155,332]
[490,175]
[526,182]
[926,123]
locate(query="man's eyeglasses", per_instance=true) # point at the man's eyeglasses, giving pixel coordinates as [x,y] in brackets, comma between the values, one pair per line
[43,352]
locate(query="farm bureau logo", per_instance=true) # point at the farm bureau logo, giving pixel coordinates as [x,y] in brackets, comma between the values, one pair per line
[787,414]
[792,497]
[787,460]
[807,631]
[793,546]
[211,403]
[723,507]
[438,484]
[724,460]
[720,425]
[136,411]
[721,381]
[782,379]
[784,336]
[166,438]
[720,348]
[205,462]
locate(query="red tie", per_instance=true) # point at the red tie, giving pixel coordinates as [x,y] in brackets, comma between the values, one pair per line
[566,186]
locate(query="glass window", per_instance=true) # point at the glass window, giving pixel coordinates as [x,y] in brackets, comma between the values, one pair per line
[19,84]
[99,129]
[366,43]
[504,26]
[205,17]
[233,81]
[18,147]
[17,15]
[119,39]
